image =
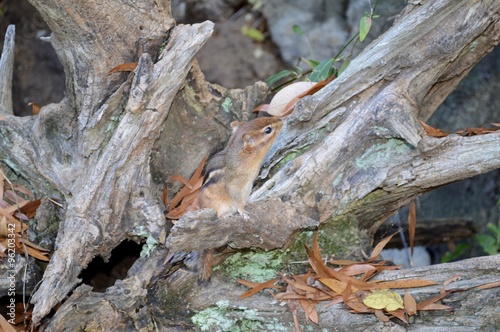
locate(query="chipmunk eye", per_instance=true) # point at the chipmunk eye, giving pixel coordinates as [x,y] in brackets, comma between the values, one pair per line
[268,130]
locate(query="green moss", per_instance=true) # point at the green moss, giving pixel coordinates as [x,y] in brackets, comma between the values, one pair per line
[338,238]
[258,265]
[224,318]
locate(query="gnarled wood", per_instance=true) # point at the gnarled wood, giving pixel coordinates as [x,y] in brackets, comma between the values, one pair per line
[6,70]
[353,150]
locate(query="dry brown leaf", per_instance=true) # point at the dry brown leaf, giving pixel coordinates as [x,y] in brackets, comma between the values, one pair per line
[317,264]
[35,108]
[335,285]
[346,294]
[181,202]
[399,314]
[261,108]
[130,66]
[412,224]
[9,217]
[489,285]
[31,244]
[476,131]
[380,246]
[37,254]
[434,132]
[299,286]
[181,179]
[325,272]
[257,288]
[287,96]
[289,296]
[355,269]
[410,304]
[315,88]
[381,316]
[342,262]
[433,299]
[15,207]
[369,274]
[310,310]
[356,305]
[436,306]
[30,208]
[408,283]
[450,280]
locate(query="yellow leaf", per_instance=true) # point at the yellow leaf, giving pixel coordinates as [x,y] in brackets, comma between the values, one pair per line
[384,299]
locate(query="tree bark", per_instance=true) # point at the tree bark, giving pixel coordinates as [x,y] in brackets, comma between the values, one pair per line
[353,152]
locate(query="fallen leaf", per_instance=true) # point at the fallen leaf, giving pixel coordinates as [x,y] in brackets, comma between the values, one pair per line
[130,66]
[384,299]
[410,305]
[355,269]
[257,287]
[290,93]
[412,224]
[407,283]
[310,310]
[358,306]
[315,88]
[30,208]
[435,306]
[450,280]
[433,299]
[261,108]
[335,285]
[434,132]
[399,314]
[381,316]
[380,246]
[489,285]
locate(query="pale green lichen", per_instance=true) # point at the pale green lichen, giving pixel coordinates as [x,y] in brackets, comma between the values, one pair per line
[378,154]
[227,105]
[258,266]
[225,318]
[337,180]
[151,242]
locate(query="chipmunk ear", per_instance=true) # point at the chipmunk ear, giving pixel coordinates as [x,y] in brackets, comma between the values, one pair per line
[235,125]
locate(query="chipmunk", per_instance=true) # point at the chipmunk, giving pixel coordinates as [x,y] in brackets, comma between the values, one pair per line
[230,174]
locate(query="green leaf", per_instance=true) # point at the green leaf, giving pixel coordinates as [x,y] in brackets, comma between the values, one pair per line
[271,80]
[298,30]
[253,33]
[488,244]
[322,71]
[494,229]
[460,250]
[364,27]
[344,66]
[311,63]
